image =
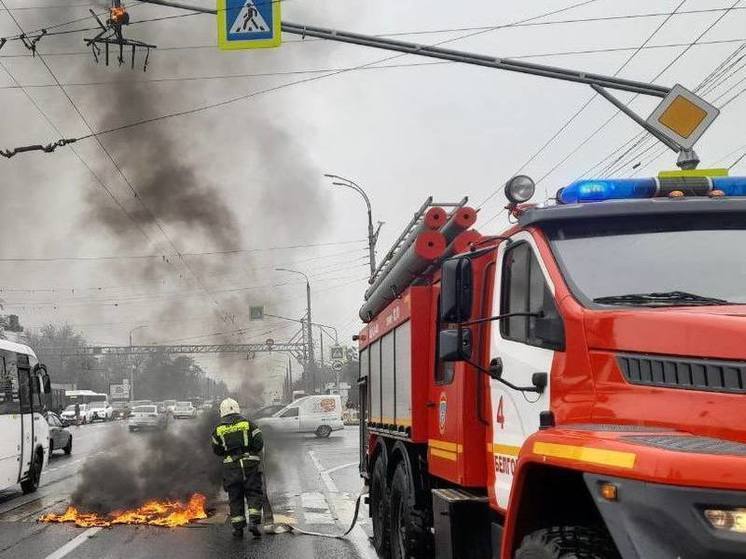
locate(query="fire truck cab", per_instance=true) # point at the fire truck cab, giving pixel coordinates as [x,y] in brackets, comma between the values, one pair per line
[571,388]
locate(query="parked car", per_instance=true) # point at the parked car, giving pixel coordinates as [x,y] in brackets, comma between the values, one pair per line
[148,416]
[69,413]
[59,437]
[121,410]
[99,411]
[184,410]
[320,415]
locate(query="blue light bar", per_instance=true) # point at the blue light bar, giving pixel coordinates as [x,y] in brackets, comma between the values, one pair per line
[731,186]
[598,190]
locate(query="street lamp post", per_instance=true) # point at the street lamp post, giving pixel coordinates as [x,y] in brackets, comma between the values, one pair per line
[308,323]
[372,235]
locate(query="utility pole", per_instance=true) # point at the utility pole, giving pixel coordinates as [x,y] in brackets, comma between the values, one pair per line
[290,379]
[134,367]
[310,359]
[321,347]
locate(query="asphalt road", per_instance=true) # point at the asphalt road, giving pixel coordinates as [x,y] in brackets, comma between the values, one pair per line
[313,484]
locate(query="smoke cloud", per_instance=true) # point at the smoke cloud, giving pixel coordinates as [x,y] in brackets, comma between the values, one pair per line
[173,464]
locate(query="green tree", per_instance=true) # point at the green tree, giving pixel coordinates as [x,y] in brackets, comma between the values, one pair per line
[54,346]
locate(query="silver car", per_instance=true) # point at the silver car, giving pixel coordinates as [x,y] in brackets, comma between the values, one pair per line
[150,416]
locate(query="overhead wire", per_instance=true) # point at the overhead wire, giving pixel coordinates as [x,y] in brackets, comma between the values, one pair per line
[579,111]
[403,65]
[136,194]
[659,74]
[310,79]
[160,256]
[297,82]
[117,301]
[101,289]
[46,117]
[725,68]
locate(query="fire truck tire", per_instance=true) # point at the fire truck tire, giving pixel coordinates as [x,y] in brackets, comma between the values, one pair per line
[568,542]
[410,536]
[379,507]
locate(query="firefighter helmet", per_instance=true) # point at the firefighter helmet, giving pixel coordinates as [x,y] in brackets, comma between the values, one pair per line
[229,406]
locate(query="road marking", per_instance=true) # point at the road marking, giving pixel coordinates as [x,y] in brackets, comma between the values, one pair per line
[316,509]
[342,467]
[73,544]
[357,536]
[325,477]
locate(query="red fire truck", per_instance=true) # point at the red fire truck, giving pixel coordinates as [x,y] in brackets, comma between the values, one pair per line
[571,388]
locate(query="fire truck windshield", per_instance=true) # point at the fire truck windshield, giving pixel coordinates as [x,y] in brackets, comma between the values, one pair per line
[654,262]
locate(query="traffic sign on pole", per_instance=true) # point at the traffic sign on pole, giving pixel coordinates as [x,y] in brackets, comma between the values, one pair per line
[337,352]
[683,116]
[249,24]
[119,391]
[256,312]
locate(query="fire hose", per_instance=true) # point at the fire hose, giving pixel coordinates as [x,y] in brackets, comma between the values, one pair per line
[270,527]
[281,528]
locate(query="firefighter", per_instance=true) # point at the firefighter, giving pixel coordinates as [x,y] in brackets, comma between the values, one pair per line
[240,444]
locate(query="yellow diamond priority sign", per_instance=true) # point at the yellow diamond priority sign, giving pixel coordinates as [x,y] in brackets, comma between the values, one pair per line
[683,116]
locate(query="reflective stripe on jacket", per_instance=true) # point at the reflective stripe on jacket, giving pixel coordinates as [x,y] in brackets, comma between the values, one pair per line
[235,437]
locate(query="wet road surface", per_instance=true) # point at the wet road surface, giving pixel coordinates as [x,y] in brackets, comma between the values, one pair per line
[313,484]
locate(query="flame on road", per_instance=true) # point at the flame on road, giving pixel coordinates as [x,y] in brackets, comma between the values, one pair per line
[153,513]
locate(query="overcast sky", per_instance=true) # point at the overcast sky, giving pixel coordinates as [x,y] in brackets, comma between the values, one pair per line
[249,174]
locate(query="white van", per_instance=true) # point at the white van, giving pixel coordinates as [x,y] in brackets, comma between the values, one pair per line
[24,433]
[320,415]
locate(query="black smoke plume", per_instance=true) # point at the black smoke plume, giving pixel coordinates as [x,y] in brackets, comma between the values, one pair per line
[173,464]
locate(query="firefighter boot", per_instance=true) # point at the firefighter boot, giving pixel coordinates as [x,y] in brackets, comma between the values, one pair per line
[255,521]
[238,532]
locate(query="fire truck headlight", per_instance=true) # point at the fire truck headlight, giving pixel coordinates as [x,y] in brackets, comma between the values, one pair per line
[732,520]
[520,189]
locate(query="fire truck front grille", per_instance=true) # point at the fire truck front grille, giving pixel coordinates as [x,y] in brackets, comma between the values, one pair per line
[689,374]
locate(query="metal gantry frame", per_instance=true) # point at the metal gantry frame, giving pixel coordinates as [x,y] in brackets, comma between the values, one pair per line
[295,348]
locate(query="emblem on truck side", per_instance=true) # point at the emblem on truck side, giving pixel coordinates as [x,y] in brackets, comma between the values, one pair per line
[442,412]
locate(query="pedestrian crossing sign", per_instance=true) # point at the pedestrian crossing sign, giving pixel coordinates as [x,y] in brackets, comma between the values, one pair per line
[248,24]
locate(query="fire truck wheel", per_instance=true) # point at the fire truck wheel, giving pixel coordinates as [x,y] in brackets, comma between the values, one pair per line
[567,542]
[410,537]
[379,506]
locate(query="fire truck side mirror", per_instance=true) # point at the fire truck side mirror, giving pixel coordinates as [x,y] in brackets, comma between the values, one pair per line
[455,291]
[454,345]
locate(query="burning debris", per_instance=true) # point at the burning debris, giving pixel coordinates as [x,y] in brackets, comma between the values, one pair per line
[167,467]
[169,514]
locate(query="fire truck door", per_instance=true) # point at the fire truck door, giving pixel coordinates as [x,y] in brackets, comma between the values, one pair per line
[522,285]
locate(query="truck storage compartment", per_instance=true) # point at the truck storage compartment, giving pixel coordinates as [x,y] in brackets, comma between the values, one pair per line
[394,360]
